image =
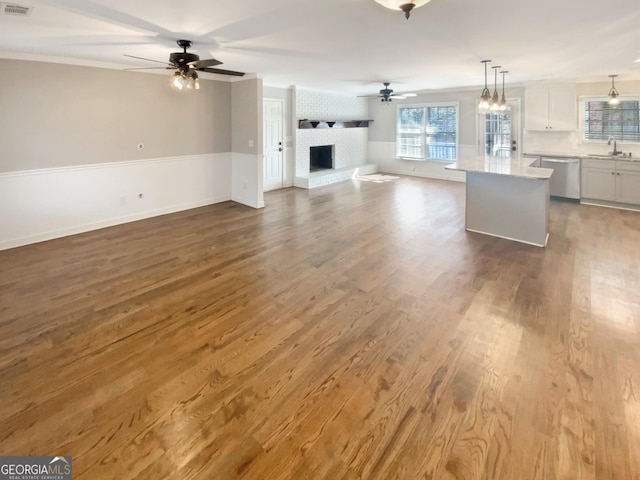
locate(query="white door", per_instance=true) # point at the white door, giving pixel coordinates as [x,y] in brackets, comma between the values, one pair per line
[498,134]
[273,148]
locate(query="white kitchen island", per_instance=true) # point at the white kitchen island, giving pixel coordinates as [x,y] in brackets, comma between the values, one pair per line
[506,198]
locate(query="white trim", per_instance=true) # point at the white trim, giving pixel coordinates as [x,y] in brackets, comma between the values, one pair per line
[98,166]
[427,105]
[283,152]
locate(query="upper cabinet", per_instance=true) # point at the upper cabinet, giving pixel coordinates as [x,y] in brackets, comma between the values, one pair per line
[550,108]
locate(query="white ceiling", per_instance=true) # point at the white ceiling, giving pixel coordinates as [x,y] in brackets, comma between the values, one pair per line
[342,45]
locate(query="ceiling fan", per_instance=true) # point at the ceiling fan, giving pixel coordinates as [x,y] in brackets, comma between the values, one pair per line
[187,65]
[386,94]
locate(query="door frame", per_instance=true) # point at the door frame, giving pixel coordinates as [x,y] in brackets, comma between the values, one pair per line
[282,140]
[516,121]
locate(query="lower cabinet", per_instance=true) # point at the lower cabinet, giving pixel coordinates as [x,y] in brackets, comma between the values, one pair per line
[611,180]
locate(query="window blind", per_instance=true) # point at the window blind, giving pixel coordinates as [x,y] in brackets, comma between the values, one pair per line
[602,121]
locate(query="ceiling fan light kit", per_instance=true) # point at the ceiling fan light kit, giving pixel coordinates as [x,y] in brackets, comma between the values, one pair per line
[386,94]
[402,5]
[187,66]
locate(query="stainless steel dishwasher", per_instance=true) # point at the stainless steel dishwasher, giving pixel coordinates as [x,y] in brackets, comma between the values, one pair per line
[565,181]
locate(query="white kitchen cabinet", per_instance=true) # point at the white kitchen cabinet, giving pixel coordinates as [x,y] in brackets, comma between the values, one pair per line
[550,108]
[628,182]
[611,180]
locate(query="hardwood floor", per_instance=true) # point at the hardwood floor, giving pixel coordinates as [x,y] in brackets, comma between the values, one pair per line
[352,331]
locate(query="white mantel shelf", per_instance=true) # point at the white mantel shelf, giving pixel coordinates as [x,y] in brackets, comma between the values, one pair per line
[506,198]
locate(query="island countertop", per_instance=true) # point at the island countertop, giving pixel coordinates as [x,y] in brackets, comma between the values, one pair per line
[513,167]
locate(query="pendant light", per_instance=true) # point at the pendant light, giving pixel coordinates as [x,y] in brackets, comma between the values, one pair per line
[485,96]
[503,101]
[613,93]
[495,100]
[404,5]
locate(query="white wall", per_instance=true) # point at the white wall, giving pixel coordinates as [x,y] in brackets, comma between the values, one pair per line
[317,105]
[351,143]
[350,146]
[247,179]
[43,204]
[383,131]
[571,142]
[247,143]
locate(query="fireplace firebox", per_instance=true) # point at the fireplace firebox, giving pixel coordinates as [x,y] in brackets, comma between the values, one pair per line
[321,157]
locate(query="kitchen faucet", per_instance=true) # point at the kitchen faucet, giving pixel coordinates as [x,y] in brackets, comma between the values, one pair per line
[615,145]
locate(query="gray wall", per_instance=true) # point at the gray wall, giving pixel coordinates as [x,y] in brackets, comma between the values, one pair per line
[246,118]
[54,115]
[383,129]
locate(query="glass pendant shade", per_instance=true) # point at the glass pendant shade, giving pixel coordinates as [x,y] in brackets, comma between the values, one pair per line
[503,101]
[495,99]
[179,81]
[485,96]
[613,93]
[192,81]
[405,6]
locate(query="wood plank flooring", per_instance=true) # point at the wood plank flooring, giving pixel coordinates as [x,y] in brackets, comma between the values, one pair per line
[354,331]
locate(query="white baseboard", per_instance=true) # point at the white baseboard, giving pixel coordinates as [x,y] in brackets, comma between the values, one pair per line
[40,205]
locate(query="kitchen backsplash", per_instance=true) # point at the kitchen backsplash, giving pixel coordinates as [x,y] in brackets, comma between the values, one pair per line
[569,143]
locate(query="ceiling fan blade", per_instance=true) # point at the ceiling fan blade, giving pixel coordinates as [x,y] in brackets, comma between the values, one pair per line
[220,71]
[409,94]
[210,62]
[148,68]
[147,59]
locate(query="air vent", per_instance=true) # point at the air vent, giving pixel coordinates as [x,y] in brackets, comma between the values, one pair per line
[13,9]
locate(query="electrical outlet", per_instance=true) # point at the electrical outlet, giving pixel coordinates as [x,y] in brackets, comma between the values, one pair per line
[250,143]
[123,200]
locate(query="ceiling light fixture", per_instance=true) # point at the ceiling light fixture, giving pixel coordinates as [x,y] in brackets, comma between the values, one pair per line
[485,96]
[179,81]
[495,100]
[193,83]
[403,5]
[503,100]
[613,93]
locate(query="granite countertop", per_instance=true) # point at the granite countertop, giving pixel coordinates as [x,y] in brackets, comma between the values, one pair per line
[512,167]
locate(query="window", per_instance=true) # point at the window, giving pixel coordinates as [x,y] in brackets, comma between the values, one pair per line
[602,121]
[427,132]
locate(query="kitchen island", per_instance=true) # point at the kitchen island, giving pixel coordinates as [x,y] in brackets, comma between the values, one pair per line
[506,198]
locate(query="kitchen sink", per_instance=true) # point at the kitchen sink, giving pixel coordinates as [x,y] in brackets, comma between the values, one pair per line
[613,157]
